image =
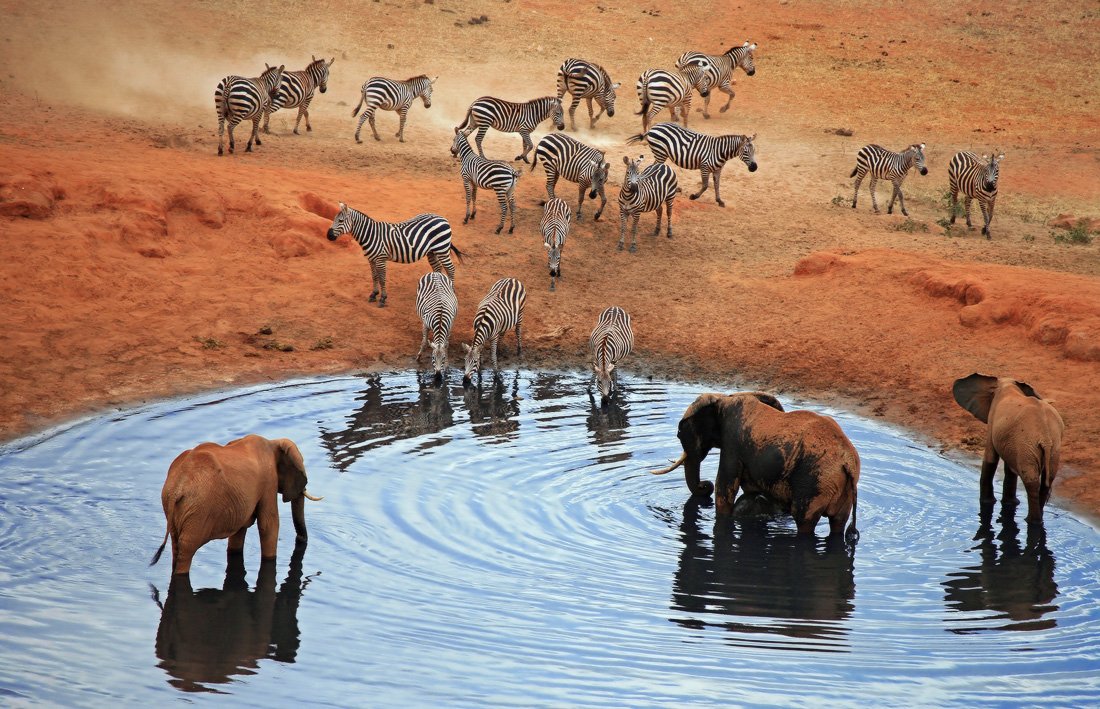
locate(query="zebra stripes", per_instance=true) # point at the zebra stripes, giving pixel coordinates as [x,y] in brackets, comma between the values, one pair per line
[974,177]
[717,71]
[611,340]
[391,95]
[403,242]
[645,192]
[499,310]
[884,164]
[437,306]
[296,89]
[588,81]
[555,227]
[696,151]
[488,112]
[495,175]
[238,99]
[659,89]
[567,157]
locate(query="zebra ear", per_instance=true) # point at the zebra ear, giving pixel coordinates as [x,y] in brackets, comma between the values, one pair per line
[266,66]
[752,47]
[343,207]
[434,80]
[752,138]
[922,147]
[610,367]
[615,85]
[312,58]
[332,61]
[626,160]
[465,348]
[985,156]
[1000,157]
[745,44]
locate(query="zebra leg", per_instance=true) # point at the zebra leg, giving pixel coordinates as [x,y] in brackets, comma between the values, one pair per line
[717,188]
[657,229]
[362,119]
[893,197]
[634,233]
[466,188]
[298,120]
[622,228]
[706,183]
[232,143]
[404,113]
[966,202]
[502,197]
[255,137]
[603,203]
[726,88]
[473,200]
[519,337]
[267,120]
[685,108]
[986,217]
[901,199]
[706,107]
[573,112]
[444,260]
[592,119]
[373,128]
[221,134]
[668,208]
[481,131]
[954,203]
[855,195]
[305,110]
[493,349]
[874,200]
[423,342]
[512,208]
[580,202]
[374,280]
[551,182]
[527,145]
[382,282]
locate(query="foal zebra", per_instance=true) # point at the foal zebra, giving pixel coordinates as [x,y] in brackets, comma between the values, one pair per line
[718,72]
[238,99]
[611,340]
[659,89]
[488,112]
[696,151]
[645,192]
[567,157]
[588,81]
[391,95]
[554,227]
[296,89]
[437,306]
[884,164]
[499,310]
[495,175]
[974,178]
[402,242]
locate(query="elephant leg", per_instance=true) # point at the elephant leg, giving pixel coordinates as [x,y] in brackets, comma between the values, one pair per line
[726,483]
[808,524]
[236,542]
[183,551]
[836,524]
[1034,503]
[1008,490]
[989,467]
[267,519]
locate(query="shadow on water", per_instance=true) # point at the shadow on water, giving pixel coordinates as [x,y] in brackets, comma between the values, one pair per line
[207,636]
[1015,582]
[493,408]
[608,426]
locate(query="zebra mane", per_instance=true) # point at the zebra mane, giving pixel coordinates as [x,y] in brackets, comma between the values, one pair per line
[316,62]
[416,78]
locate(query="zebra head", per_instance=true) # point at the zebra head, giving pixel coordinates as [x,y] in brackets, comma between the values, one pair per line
[439,358]
[748,152]
[743,57]
[700,74]
[604,381]
[553,246]
[459,141]
[918,156]
[271,79]
[606,98]
[557,113]
[423,87]
[341,224]
[318,69]
[633,173]
[991,171]
[598,178]
[473,363]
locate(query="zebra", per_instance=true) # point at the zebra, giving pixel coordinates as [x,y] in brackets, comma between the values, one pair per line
[296,89]
[555,227]
[437,306]
[881,163]
[645,192]
[718,72]
[588,81]
[692,150]
[611,340]
[975,178]
[238,99]
[488,112]
[659,89]
[567,157]
[496,175]
[499,310]
[402,242]
[392,95]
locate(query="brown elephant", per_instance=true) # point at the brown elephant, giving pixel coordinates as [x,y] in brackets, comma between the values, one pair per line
[218,492]
[1023,429]
[798,459]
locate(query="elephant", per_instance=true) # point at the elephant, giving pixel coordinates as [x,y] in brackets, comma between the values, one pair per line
[218,492]
[1024,430]
[799,459]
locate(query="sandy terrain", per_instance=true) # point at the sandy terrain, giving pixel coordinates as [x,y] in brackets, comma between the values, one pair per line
[140,265]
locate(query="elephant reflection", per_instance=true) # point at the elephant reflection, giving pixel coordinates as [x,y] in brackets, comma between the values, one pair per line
[1016,582]
[208,636]
[493,409]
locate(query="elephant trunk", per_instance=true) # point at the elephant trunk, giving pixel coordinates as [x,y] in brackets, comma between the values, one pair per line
[298,514]
[691,477]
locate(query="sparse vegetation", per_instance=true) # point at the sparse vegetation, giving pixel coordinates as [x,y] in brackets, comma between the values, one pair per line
[1077,234]
[209,343]
[265,330]
[945,203]
[325,343]
[910,226]
[278,346]
[839,201]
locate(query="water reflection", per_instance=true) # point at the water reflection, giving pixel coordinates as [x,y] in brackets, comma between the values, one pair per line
[493,408]
[208,636]
[608,426]
[1016,582]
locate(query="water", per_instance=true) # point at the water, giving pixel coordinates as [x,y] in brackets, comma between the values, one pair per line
[508,547]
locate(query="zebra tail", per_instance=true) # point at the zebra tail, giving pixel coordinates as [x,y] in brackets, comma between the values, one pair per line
[466,121]
[636,138]
[361,100]
[645,108]
[458,253]
[534,161]
[854,171]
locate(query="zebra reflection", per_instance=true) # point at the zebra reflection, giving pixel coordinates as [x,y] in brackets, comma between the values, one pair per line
[493,408]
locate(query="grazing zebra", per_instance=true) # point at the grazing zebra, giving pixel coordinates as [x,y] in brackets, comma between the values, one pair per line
[696,151]
[238,99]
[402,242]
[610,342]
[488,112]
[659,89]
[975,178]
[555,227]
[567,157]
[718,71]
[881,163]
[499,310]
[296,89]
[437,306]
[588,81]
[645,192]
[392,95]
[495,175]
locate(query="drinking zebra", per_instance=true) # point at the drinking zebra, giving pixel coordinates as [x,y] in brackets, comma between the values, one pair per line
[718,71]
[659,89]
[391,95]
[555,227]
[488,112]
[437,306]
[611,340]
[975,178]
[884,164]
[645,192]
[567,157]
[296,89]
[403,242]
[495,175]
[588,81]
[499,310]
[696,151]
[238,99]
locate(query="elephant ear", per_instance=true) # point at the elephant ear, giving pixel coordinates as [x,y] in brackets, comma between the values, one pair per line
[291,469]
[975,394]
[767,399]
[703,416]
[1026,388]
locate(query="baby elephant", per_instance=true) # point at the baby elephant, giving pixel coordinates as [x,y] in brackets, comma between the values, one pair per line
[218,492]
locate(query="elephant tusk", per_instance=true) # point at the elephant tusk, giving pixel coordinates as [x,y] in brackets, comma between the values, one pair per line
[675,464]
[311,497]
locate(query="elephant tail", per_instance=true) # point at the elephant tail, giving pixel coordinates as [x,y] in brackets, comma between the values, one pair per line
[852,533]
[156,557]
[1046,464]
